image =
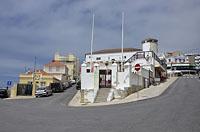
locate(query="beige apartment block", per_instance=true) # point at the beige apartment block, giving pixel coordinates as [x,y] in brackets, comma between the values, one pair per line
[72,63]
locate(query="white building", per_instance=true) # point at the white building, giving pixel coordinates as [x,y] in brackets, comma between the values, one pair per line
[179,63]
[58,70]
[107,69]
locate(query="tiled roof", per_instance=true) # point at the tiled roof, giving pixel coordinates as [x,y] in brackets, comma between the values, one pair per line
[117,50]
[38,71]
[55,64]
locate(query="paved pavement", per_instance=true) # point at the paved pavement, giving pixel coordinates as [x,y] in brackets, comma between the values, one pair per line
[152,91]
[176,110]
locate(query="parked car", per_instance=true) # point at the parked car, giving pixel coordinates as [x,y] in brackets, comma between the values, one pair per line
[78,85]
[43,91]
[73,82]
[3,93]
[56,87]
[66,85]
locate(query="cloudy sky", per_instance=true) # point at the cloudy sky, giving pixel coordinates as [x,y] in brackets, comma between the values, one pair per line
[30,28]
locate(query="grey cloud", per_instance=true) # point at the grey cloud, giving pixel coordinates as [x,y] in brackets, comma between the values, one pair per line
[31,28]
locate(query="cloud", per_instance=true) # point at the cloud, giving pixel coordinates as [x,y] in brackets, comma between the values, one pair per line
[31,28]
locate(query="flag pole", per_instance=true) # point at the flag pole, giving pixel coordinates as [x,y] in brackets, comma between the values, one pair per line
[122,42]
[92,41]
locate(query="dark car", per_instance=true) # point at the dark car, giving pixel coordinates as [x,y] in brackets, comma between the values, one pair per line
[3,93]
[78,85]
[56,87]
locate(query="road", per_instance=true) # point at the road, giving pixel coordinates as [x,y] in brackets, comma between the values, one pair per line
[176,110]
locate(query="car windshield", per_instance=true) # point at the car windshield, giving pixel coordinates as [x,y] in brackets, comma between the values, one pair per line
[2,89]
[42,88]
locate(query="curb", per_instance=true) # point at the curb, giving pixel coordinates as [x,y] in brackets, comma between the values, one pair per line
[147,93]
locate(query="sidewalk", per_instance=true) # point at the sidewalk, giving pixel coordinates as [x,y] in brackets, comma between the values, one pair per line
[152,91]
[20,97]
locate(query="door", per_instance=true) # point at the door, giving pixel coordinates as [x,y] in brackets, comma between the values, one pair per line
[105,77]
[24,89]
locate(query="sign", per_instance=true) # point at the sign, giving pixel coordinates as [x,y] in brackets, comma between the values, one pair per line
[9,83]
[137,67]
[37,77]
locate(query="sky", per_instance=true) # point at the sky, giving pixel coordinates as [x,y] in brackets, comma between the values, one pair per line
[39,28]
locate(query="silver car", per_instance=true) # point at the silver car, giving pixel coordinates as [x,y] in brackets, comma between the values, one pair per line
[43,91]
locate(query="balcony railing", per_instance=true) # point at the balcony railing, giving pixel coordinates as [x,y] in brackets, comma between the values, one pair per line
[146,55]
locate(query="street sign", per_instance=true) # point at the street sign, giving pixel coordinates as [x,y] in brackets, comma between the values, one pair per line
[137,67]
[9,83]
[37,77]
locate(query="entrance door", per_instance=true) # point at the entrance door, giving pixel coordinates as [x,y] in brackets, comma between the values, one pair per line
[105,78]
[24,89]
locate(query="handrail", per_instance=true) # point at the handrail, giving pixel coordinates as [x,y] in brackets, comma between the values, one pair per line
[141,54]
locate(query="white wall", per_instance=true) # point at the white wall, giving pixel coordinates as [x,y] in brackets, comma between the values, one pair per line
[87,81]
[136,80]
[109,56]
[90,82]
[150,46]
[60,70]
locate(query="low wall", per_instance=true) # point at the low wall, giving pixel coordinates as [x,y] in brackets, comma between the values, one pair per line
[120,94]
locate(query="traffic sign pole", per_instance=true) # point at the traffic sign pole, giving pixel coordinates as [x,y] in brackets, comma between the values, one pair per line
[137,68]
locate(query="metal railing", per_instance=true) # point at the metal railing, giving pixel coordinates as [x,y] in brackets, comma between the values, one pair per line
[146,55]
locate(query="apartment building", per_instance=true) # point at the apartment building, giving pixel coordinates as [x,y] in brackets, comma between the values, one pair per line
[58,70]
[71,62]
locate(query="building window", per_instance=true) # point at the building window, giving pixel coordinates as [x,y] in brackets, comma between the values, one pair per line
[88,70]
[98,58]
[50,69]
[57,69]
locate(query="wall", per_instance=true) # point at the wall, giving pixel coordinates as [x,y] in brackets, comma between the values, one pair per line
[136,80]
[109,56]
[150,46]
[25,79]
[71,69]
[89,82]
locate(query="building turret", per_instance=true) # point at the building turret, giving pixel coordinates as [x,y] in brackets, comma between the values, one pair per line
[150,44]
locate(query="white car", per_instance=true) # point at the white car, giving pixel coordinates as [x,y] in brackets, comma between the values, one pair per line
[73,81]
[43,91]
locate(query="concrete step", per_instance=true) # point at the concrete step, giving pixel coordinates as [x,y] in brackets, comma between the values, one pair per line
[102,95]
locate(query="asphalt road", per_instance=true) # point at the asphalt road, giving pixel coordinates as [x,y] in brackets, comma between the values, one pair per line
[177,110]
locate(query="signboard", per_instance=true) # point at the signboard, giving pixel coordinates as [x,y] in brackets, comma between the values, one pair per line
[9,83]
[137,67]
[37,77]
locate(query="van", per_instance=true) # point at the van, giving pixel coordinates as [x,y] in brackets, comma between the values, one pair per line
[56,87]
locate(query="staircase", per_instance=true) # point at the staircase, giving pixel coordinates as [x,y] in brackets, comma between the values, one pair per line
[102,95]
